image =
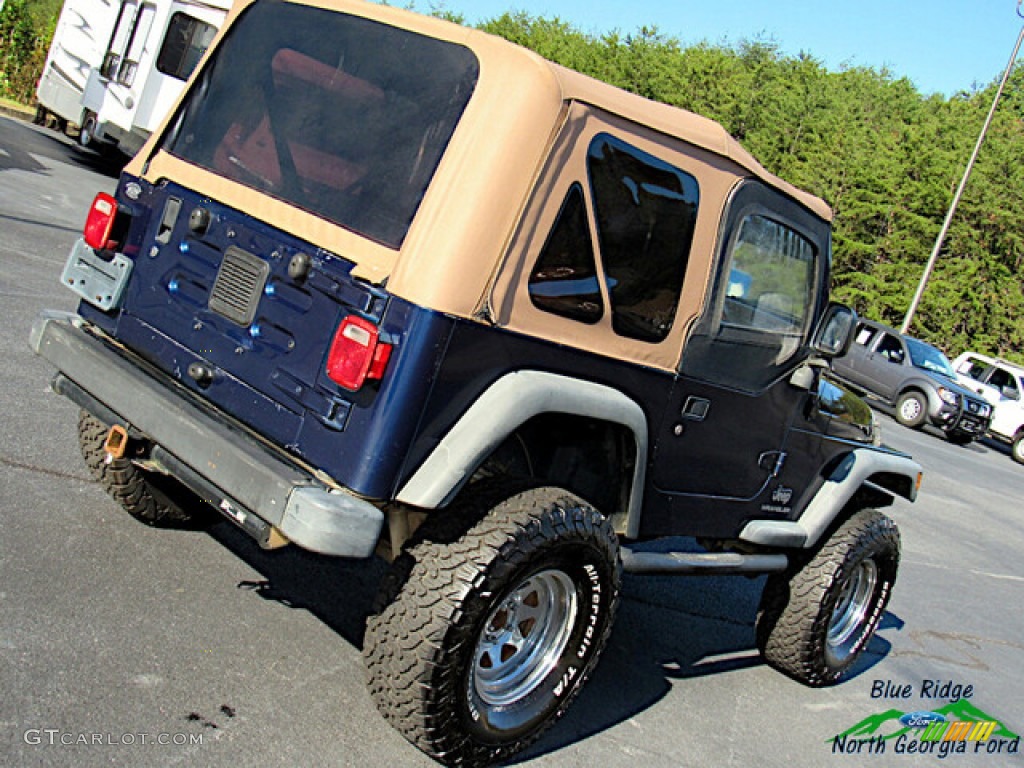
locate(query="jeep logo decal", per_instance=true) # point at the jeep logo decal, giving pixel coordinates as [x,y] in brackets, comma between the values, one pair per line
[782,495]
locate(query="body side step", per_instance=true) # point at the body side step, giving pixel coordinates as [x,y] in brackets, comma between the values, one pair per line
[701,563]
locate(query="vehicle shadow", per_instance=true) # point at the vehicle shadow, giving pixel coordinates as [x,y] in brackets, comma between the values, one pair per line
[669,630]
[706,628]
[338,591]
[27,143]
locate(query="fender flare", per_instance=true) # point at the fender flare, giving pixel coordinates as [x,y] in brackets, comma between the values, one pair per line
[507,404]
[882,471]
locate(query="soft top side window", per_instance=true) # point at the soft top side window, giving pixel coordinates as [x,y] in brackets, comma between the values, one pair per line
[769,287]
[564,279]
[770,278]
[645,212]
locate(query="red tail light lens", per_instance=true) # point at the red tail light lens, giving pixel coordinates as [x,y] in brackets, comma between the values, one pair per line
[357,354]
[100,222]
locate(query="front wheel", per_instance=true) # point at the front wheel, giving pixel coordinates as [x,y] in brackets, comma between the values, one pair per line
[814,621]
[1017,449]
[911,409]
[484,633]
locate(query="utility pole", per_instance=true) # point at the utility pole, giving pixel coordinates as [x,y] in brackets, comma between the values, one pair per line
[963,183]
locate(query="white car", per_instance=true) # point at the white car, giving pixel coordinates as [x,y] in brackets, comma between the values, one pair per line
[1001,384]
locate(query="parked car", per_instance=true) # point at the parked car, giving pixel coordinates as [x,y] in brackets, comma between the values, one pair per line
[1001,384]
[916,378]
[385,284]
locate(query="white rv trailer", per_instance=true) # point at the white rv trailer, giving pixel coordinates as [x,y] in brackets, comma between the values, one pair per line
[79,42]
[153,49]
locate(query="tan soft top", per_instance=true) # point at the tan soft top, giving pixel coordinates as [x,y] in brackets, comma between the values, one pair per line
[471,208]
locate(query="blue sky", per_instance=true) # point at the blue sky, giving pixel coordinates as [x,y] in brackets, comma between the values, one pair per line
[943,46]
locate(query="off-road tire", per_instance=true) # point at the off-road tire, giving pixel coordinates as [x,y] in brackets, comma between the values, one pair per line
[912,409]
[815,620]
[482,593]
[149,498]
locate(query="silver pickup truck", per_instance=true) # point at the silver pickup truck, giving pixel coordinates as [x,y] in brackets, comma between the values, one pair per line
[916,378]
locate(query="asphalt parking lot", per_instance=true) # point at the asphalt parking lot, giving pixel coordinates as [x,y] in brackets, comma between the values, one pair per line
[125,645]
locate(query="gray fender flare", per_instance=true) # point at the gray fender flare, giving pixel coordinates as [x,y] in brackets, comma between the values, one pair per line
[500,410]
[889,473]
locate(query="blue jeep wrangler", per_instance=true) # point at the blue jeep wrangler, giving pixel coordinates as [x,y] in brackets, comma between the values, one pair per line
[386,285]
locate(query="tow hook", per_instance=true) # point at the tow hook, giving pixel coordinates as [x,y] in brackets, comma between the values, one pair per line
[116,443]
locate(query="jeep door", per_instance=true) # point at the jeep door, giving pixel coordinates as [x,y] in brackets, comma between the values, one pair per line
[739,440]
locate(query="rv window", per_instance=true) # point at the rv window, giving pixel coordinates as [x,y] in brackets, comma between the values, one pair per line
[184,45]
[136,45]
[342,116]
[119,39]
[645,212]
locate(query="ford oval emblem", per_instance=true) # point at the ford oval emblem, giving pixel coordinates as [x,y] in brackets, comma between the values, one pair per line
[921,719]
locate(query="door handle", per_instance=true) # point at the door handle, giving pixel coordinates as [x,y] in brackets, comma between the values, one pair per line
[696,408]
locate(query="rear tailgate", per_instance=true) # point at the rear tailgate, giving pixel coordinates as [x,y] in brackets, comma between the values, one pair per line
[244,315]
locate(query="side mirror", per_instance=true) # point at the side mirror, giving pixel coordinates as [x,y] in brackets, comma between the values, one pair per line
[834,334]
[1010,393]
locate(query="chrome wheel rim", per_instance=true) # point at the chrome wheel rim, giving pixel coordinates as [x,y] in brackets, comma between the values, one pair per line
[524,638]
[852,610]
[911,409]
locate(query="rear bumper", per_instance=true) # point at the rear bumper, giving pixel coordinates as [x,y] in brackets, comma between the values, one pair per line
[214,455]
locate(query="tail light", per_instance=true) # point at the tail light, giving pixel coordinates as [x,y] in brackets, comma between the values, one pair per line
[100,222]
[357,354]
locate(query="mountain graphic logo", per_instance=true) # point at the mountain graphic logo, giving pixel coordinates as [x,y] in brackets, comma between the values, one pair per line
[890,724]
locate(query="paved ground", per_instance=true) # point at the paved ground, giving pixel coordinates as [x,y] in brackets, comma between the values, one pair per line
[115,633]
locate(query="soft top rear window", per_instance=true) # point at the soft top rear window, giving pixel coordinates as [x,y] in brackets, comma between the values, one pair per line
[342,116]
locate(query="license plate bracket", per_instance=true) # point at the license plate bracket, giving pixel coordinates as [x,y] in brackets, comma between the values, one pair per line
[97,281]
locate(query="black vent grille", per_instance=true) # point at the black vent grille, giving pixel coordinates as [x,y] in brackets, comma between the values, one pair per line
[239,285]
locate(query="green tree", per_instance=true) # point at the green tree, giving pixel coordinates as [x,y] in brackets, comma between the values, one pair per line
[26,29]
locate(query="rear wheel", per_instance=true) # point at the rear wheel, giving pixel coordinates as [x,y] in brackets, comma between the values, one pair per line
[815,621]
[491,620]
[87,131]
[150,498]
[911,409]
